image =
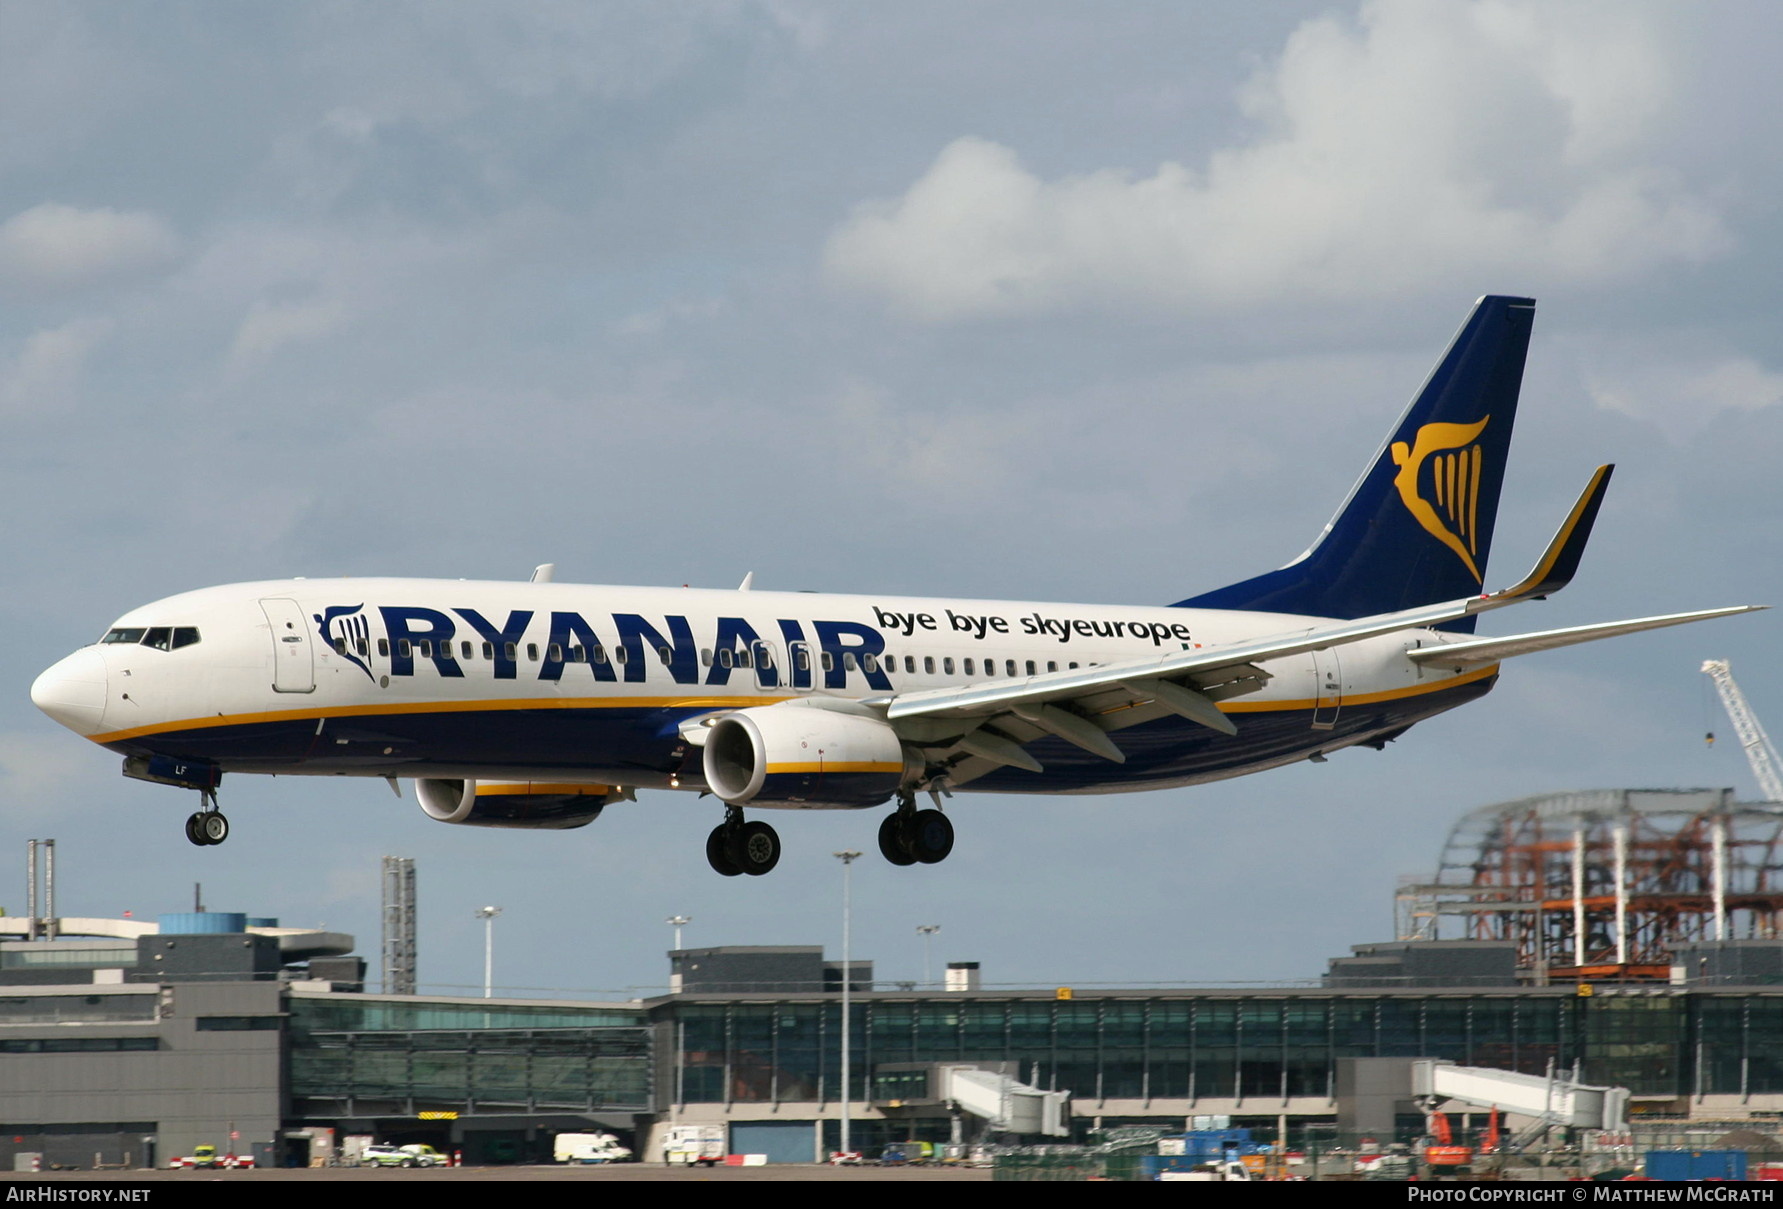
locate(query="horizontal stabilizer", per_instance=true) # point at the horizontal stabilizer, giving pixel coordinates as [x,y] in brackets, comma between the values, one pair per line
[1479,652]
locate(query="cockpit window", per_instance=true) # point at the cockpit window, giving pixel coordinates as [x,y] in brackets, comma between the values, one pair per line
[160,637]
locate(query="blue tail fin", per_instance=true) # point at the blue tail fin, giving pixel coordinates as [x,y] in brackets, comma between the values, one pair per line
[1417,527]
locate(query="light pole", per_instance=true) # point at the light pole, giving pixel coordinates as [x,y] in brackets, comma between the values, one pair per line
[678,922]
[928,933]
[847,857]
[487,915]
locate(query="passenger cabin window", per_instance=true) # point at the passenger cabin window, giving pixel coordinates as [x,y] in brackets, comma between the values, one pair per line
[384,647]
[532,652]
[928,665]
[1051,666]
[724,659]
[848,660]
[869,663]
[403,648]
[578,654]
[666,654]
[1030,667]
[1009,667]
[829,662]
[969,670]
[489,651]
[508,651]
[910,664]
[465,649]
[556,652]
[600,653]
[947,665]
[340,646]
[425,646]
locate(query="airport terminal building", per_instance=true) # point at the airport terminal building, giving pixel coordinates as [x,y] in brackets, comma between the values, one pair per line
[126,1051]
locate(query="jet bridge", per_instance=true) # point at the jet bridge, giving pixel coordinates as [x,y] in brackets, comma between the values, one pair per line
[1006,1105]
[1550,1100]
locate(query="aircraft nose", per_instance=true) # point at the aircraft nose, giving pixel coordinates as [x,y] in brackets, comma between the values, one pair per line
[73,691]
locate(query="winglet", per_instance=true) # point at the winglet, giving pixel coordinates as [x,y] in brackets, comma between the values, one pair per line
[1558,564]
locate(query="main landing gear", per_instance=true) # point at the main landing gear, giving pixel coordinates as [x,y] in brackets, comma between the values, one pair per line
[208,826]
[736,846]
[911,836]
[907,837]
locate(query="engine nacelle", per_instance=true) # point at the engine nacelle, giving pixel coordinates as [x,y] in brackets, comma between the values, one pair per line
[532,804]
[796,755]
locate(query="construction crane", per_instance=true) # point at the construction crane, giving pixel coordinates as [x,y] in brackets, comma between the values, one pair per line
[1767,766]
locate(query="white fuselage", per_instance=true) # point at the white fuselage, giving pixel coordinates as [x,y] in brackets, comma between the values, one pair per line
[449,678]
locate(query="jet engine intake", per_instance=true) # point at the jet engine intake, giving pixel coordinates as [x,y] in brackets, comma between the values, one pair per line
[795,755]
[539,805]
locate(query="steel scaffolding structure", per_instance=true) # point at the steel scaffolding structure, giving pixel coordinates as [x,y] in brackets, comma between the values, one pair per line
[1604,884]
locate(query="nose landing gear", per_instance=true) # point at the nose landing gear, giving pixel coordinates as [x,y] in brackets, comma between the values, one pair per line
[208,826]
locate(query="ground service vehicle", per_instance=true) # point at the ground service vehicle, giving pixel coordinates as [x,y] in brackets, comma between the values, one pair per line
[589,1148]
[413,1155]
[689,1145]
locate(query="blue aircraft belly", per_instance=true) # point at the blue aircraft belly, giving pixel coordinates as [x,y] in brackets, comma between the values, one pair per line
[578,741]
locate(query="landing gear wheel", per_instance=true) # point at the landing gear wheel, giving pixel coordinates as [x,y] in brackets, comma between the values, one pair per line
[193,832]
[928,836]
[718,852]
[891,844]
[213,826]
[755,848]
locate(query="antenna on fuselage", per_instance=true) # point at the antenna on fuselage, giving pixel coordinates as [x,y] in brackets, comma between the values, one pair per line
[748,582]
[542,573]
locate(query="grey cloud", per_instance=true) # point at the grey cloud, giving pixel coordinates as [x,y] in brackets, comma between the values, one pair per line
[56,246]
[1421,144]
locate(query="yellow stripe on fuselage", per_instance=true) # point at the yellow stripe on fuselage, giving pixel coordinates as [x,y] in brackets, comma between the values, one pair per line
[1349,699]
[554,703]
[437,707]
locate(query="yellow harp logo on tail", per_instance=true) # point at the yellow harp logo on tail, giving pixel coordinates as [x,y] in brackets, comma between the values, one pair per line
[1454,480]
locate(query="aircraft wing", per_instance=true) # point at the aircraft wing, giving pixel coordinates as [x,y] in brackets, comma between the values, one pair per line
[1207,665]
[1478,652]
[1083,705]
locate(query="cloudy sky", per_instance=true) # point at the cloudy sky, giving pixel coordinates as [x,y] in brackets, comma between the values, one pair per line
[1032,300]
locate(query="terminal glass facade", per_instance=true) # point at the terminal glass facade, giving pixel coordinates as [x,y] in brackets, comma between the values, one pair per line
[1261,1049]
[376,1055]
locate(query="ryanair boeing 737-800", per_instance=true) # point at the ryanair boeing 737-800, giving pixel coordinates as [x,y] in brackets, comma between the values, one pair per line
[538,704]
